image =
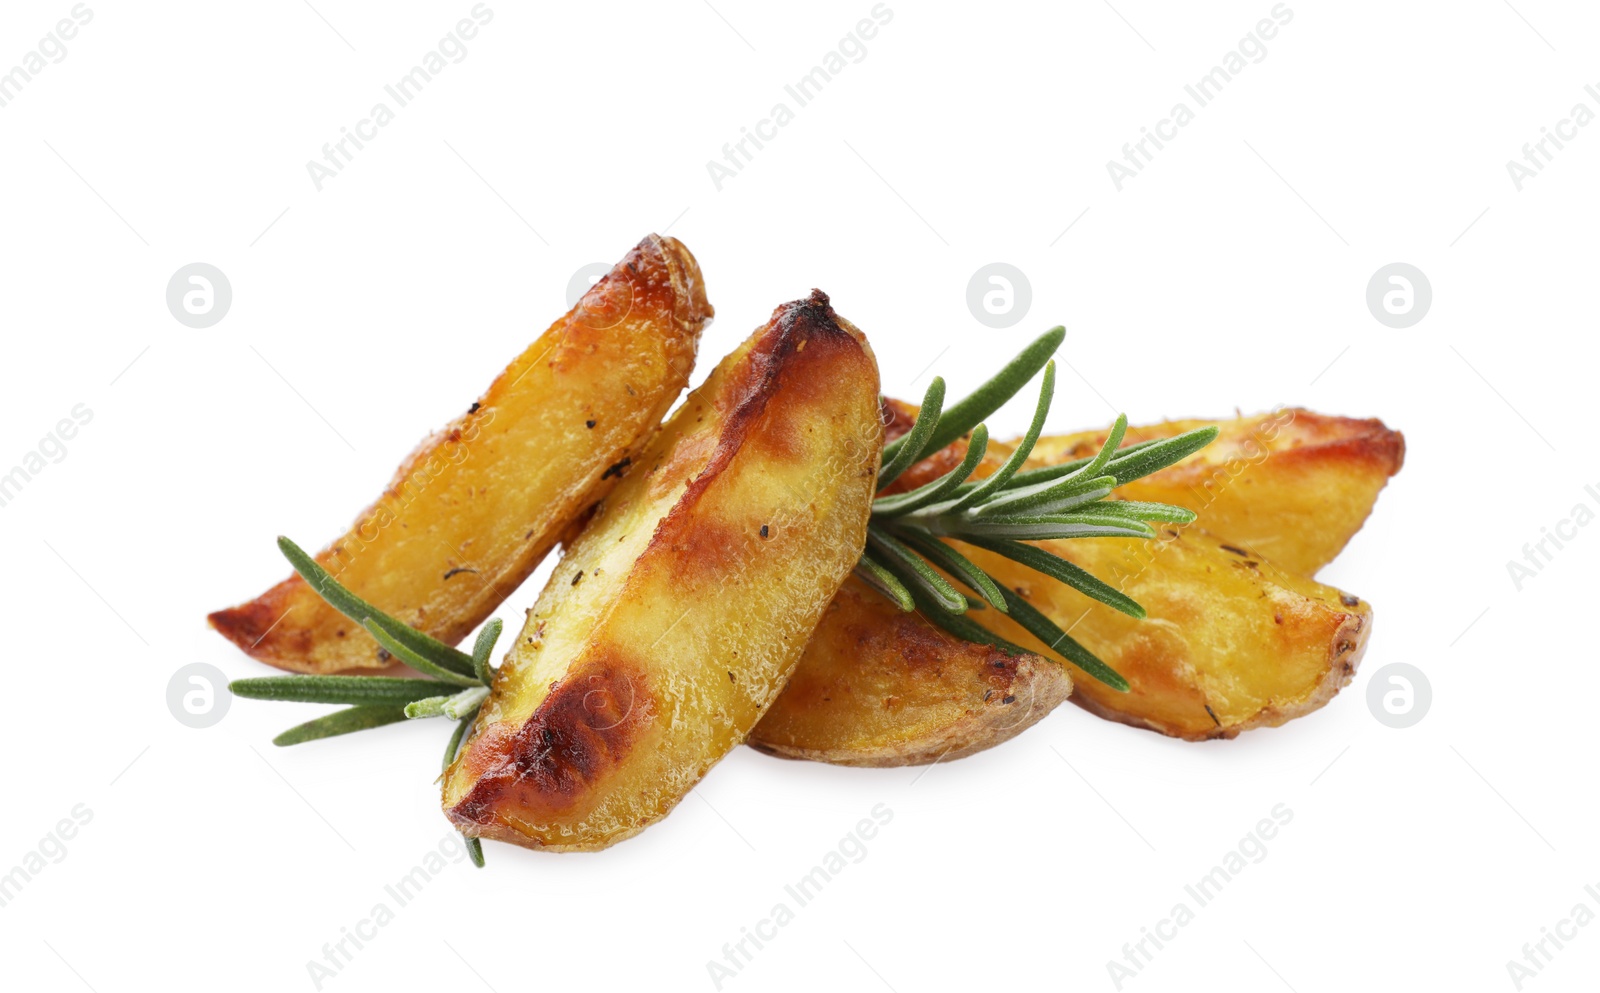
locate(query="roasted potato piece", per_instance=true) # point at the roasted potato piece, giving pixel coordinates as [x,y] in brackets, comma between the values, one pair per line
[878,686]
[469,515]
[881,687]
[674,620]
[1292,486]
[1228,644]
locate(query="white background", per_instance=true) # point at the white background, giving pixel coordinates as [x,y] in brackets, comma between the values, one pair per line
[1230,273]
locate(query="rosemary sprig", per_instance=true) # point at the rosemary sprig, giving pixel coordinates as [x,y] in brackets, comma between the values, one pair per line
[907,558]
[455,683]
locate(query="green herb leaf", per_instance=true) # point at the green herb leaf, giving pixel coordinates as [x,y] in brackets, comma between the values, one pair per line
[341,722]
[1138,510]
[991,396]
[958,565]
[482,650]
[966,629]
[390,690]
[432,706]
[912,570]
[996,482]
[454,744]
[876,575]
[474,846]
[900,454]
[389,634]
[1156,456]
[1058,568]
[1107,451]
[466,702]
[453,707]
[922,496]
[1044,474]
[1048,498]
[358,610]
[1082,523]
[1058,641]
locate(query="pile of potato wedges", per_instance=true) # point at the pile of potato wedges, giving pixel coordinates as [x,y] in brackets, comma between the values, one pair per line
[705,596]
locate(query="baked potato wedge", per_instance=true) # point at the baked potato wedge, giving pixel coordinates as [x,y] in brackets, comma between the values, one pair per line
[1227,644]
[879,686]
[673,621]
[1290,486]
[470,514]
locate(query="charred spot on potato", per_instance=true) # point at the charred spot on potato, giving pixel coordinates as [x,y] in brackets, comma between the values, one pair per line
[765,532]
[578,578]
[1213,715]
[458,570]
[589,424]
[617,468]
[1237,551]
[474,408]
[1348,600]
[1008,698]
[589,723]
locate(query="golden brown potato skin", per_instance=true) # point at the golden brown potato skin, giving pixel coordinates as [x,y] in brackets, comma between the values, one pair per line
[1291,486]
[677,615]
[470,514]
[879,686]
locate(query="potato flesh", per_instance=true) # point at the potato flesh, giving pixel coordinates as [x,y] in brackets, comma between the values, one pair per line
[471,513]
[1291,486]
[676,617]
